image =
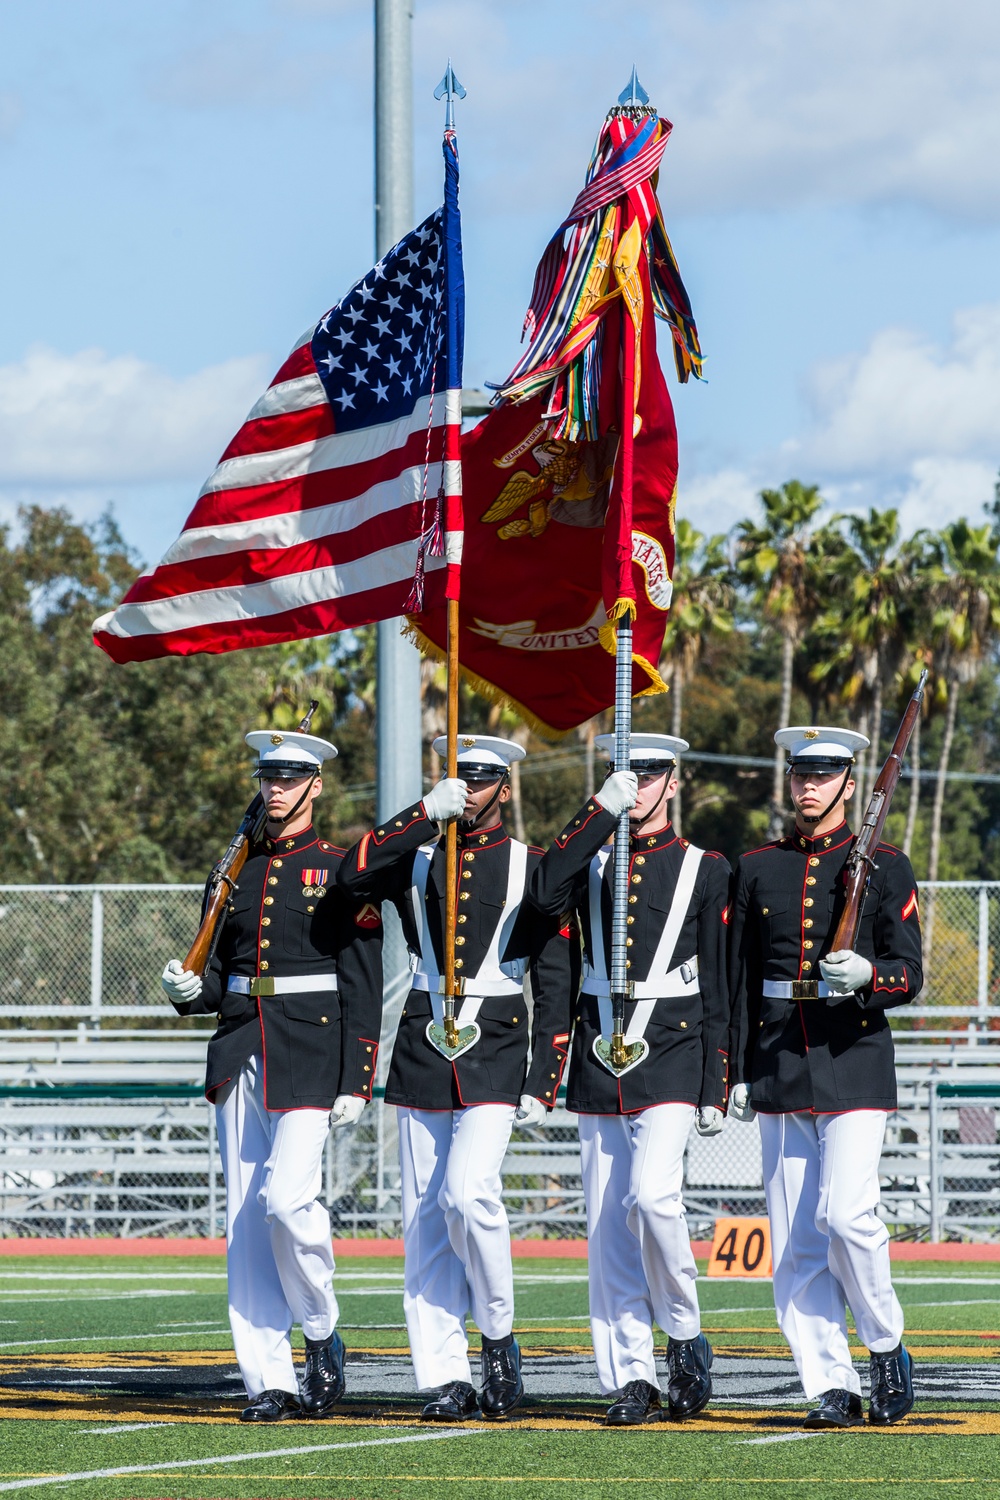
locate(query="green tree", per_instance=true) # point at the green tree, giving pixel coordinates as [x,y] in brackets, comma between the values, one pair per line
[965,587]
[701,607]
[779,568]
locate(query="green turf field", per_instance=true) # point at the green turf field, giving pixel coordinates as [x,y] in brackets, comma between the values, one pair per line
[117,1380]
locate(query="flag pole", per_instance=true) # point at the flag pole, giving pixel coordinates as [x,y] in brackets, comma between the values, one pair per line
[620,988]
[453,1040]
[621,1054]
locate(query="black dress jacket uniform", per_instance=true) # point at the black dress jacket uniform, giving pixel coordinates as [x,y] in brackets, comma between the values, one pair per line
[688,1036]
[281,923]
[494,1071]
[822,1055]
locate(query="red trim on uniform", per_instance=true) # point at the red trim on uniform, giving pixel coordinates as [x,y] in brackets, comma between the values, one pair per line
[727,912]
[911,907]
[371,1042]
[363,852]
[563,838]
[880,987]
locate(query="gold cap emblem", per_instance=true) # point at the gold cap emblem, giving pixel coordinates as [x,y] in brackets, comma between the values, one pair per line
[812,734]
[277,739]
[468,742]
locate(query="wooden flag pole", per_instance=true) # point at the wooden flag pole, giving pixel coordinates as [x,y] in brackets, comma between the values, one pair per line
[451,834]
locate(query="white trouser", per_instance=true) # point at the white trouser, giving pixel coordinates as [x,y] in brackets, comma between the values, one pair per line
[279,1255]
[639,1252]
[456,1238]
[828,1245]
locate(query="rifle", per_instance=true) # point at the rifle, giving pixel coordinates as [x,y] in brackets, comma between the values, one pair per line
[224,876]
[861,860]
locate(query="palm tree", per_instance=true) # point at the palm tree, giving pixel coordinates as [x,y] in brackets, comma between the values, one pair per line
[873,572]
[700,607]
[966,594]
[775,561]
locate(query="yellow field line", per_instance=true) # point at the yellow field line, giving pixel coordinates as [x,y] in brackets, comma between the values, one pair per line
[721,1421]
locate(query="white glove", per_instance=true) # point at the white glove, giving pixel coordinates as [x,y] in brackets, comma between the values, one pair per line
[446,799]
[739,1103]
[180,984]
[709,1121]
[530,1111]
[619,792]
[846,971]
[347,1110]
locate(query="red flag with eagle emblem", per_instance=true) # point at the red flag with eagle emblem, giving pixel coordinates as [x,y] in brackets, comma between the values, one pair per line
[555,552]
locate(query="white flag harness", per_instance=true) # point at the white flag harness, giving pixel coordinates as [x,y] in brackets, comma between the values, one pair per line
[662,982]
[493,977]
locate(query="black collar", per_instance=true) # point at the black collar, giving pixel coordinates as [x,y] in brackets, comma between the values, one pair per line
[826,843]
[290,845]
[639,843]
[482,838]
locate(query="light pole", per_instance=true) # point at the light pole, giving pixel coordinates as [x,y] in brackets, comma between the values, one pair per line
[398,728]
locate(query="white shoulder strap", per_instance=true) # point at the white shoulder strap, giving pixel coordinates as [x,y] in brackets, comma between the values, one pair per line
[418,900]
[683,891]
[598,957]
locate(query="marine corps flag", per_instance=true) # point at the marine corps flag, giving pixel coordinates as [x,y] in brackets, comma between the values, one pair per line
[559,542]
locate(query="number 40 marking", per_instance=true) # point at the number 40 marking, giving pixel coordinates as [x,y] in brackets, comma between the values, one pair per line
[741,1247]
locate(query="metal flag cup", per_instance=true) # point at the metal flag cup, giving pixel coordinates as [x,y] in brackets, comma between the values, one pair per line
[452,1043]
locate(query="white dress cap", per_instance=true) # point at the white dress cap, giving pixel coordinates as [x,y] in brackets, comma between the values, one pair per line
[820,742]
[481,750]
[279,747]
[646,747]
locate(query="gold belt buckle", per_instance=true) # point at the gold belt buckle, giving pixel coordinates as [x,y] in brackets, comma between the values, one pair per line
[459,986]
[805,989]
[262,986]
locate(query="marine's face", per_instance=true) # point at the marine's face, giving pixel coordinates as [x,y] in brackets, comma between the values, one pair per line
[656,788]
[811,791]
[280,796]
[478,796]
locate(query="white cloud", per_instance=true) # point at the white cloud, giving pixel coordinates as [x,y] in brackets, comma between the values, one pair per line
[845,101]
[715,502]
[776,103]
[92,418]
[906,399]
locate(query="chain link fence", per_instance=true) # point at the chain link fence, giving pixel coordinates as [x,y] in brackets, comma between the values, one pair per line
[103,1129]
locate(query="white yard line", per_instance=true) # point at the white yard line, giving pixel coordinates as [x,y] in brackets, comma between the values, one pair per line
[946,1280]
[233,1458]
[784,1437]
[123,1338]
[131,1427]
[71,1275]
[952,1302]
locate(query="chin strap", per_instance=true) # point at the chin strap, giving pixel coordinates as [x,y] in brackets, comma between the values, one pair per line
[832,803]
[485,811]
[653,810]
[305,792]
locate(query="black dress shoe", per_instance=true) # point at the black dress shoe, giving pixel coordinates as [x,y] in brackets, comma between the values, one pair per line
[892,1387]
[453,1403]
[323,1381]
[639,1402]
[836,1409]
[271,1406]
[502,1383]
[689,1385]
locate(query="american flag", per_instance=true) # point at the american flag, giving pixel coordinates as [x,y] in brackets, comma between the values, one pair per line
[328,502]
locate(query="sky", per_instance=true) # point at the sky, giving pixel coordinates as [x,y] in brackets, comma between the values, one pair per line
[188,186]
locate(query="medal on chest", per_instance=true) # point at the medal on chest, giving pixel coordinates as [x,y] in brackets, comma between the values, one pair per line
[314,882]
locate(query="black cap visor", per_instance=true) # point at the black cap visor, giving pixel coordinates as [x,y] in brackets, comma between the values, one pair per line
[819,765]
[481,771]
[285,770]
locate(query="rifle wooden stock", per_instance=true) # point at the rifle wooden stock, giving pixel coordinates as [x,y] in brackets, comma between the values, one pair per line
[224,878]
[225,874]
[862,857]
